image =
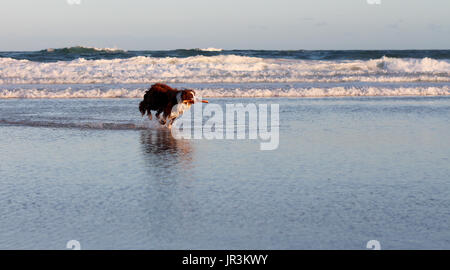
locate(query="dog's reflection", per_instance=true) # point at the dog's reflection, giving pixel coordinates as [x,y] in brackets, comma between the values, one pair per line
[169,175]
[162,150]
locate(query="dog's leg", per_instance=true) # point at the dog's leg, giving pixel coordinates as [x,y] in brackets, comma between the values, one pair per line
[166,115]
[169,125]
[160,118]
[158,113]
[169,121]
[149,113]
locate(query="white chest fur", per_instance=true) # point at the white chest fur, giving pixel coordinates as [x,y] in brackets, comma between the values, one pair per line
[177,110]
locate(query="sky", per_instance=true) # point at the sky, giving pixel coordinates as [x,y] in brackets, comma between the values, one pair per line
[231,24]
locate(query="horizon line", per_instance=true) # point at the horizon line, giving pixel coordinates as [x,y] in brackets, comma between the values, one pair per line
[234,49]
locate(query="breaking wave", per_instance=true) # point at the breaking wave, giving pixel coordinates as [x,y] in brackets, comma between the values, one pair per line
[70,93]
[370,90]
[211,50]
[221,69]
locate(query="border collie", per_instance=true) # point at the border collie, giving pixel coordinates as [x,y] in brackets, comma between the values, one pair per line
[162,99]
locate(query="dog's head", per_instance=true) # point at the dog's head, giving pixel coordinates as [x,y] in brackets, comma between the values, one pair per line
[188,96]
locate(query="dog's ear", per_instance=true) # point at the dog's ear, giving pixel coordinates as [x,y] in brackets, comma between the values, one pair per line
[183,95]
[191,91]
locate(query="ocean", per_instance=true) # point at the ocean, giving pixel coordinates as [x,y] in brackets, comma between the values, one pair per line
[80,72]
[363,151]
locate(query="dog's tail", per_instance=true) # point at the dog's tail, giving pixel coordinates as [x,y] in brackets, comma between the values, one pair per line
[143,107]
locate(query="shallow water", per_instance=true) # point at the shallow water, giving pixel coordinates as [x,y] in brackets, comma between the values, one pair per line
[347,170]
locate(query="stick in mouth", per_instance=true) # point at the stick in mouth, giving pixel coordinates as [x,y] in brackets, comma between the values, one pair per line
[192,102]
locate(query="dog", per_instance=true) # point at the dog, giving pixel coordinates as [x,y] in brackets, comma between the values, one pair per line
[162,99]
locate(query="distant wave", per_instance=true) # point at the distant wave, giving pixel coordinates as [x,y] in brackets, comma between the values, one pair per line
[211,50]
[221,69]
[92,53]
[82,49]
[335,91]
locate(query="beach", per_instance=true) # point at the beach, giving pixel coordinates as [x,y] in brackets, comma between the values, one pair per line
[359,150]
[347,170]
